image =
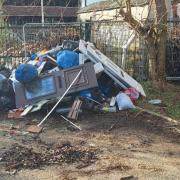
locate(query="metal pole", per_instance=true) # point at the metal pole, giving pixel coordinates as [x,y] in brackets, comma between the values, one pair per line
[24,39]
[71,123]
[42,12]
[67,90]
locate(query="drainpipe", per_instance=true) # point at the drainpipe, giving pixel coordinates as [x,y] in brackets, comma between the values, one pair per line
[85,3]
[42,12]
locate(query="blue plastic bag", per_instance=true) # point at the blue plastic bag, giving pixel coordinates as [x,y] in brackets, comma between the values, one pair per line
[86,94]
[67,59]
[26,73]
[33,56]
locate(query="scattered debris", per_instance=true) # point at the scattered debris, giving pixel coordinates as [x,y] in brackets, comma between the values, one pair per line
[10,130]
[155,101]
[67,90]
[15,114]
[19,157]
[34,129]
[110,68]
[65,110]
[71,123]
[113,101]
[77,69]
[124,102]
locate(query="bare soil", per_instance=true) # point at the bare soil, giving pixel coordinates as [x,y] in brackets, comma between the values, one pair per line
[127,144]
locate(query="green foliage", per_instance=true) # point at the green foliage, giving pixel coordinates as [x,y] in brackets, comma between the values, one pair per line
[2,1]
[3,34]
[3,31]
[170,99]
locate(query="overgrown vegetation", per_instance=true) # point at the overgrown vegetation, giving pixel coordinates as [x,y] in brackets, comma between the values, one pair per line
[1,2]
[3,33]
[170,99]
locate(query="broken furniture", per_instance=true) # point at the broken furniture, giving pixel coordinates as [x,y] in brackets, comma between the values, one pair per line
[38,128]
[54,84]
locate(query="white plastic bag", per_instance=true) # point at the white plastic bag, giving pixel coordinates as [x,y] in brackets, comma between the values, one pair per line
[124,102]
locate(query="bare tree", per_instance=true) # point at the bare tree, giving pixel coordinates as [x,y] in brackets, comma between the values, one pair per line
[154,33]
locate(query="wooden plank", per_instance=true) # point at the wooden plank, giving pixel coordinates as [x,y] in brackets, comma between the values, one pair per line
[76,110]
[34,129]
[73,114]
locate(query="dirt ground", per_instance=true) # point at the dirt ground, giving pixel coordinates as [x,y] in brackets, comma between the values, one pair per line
[129,145]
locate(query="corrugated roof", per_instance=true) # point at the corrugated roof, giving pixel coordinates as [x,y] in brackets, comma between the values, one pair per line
[105,5]
[49,11]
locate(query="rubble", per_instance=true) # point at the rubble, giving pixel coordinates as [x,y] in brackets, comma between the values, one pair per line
[77,70]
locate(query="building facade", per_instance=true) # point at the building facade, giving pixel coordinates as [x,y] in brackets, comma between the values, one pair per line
[27,11]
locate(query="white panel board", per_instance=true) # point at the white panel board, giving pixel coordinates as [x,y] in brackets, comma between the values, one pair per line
[115,71]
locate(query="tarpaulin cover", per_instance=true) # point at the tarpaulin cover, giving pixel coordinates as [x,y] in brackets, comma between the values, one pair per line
[25,73]
[67,59]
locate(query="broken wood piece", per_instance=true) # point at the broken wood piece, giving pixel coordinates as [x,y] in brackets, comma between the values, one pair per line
[71,123]
[112,126]
[15,114]
[34,129]
[94,101]
[73,114]
[52,59]
[26,111]
[39,105]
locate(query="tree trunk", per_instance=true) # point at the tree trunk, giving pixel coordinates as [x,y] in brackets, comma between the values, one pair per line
[155,38]
[152,56]
[162,30]
[162,60]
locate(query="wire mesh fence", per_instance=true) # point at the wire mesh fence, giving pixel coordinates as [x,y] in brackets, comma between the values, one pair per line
[120,43]
[173,49]
[37,37]
[115,39]
[11,45]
